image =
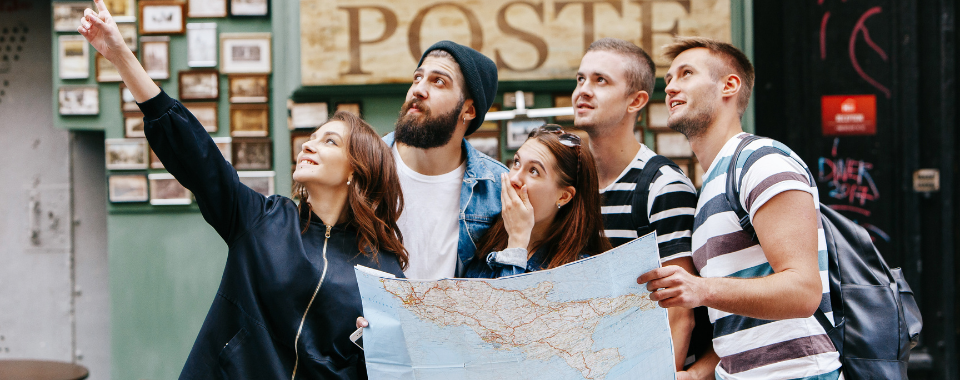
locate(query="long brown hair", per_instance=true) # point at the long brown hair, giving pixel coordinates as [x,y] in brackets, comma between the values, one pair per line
[578,226]
[374,198]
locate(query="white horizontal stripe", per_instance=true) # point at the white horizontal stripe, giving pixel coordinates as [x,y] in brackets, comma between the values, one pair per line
[727,264]
[671,236]
[677,188]
[765,335]
[676,211]
[791,369]
[632,234]
[621,187]
[616,209]
[675,256]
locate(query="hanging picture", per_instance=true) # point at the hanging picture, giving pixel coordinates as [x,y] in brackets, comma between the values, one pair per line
[127,102]
[563,100]
[308,115]
[126,154]
[249,88]
[106,71]
[259,181]
[162,17]
[245,53]
[517,131]
[129,32]
[657,116]
[79,100]
[486,142]
[207,8]
[74,53]
[128,188]
[155,161]
[297,139]
[199,85]
[249,120]
[155,52]
[166,190]
[351,107]
[491,125]
[122,10]
[202,44]
[133,125]
[252,153]
[67,14]
[250,8]
[673,144]
[206,114]
[225,144]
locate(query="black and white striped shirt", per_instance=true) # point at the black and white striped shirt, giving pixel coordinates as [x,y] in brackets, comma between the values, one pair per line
[671,204]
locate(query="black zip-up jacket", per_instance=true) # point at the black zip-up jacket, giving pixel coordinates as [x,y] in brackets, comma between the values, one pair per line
[273,272]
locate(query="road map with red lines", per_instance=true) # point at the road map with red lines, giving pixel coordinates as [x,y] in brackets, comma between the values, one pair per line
[585,320]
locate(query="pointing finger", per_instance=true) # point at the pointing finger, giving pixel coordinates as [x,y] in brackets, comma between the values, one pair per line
[101,6]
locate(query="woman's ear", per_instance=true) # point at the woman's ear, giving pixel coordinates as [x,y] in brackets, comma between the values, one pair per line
[566,196]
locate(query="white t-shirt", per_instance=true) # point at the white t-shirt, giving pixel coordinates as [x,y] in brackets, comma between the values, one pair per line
[430,220]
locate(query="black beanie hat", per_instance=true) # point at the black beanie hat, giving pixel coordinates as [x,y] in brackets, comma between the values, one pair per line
[479,73]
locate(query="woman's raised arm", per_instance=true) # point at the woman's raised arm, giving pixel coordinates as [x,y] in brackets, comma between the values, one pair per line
[102,32]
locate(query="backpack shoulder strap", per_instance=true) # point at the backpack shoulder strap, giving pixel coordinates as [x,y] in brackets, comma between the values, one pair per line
[642,193]
[733,188]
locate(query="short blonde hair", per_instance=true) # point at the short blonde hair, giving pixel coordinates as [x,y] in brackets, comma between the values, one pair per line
[735,62]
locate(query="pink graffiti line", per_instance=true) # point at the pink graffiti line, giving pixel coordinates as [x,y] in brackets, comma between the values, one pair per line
[823,35]
[861,28]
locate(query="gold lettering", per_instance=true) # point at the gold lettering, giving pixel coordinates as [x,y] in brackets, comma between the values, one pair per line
[646,22]
[413,35]
[588,19]
[538,43]
[353,15]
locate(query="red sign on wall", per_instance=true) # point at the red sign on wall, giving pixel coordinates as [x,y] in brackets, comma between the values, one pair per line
[849,115]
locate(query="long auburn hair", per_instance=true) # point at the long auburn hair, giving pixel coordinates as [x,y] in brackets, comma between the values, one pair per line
[578,226]
[374,198]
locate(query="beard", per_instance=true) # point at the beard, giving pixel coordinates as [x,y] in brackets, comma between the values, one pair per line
[430,132]
[693,124]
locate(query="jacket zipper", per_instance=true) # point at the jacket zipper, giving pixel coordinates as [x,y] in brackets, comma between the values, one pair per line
[323,274]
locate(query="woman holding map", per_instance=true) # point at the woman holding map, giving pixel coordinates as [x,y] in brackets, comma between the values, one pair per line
[288,294]
[551,209]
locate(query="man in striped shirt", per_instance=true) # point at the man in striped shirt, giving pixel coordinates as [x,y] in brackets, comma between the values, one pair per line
[761,292]
[614,83]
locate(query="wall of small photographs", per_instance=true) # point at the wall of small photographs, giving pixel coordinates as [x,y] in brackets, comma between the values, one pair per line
[214,56]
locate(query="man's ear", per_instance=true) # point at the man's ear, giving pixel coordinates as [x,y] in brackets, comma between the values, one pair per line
[638,100]
[469,112]
[731,86]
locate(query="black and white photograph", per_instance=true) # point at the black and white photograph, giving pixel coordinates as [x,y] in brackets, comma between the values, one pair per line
[245,53]
[517,131]
[308,115]
[249,120]
[67,14]
[297,139]
[249,88]
[351,107]
[127,101]
[128,188]
[155,53]
[199,85]
[74,52]
[250,8]
[252,153]
[106,71]
[166,190]
[206,114]
[121,10]
[657,116]
[225,144]
[162,17]
[79,100]
[206,8]
[259,181]
[133,125]
[202,44]
[129,32]
[487,143]
[126,154]
[154,160]
[672,144]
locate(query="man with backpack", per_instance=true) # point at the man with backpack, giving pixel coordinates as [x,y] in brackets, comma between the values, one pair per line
[642,191]
[761,300]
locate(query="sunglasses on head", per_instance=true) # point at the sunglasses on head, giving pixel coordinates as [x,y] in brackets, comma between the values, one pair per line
[568,139]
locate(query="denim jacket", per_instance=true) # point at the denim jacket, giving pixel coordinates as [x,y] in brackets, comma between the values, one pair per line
[479,201]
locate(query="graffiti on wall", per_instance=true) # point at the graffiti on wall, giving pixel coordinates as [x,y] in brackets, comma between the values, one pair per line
[850,187]
[859,32]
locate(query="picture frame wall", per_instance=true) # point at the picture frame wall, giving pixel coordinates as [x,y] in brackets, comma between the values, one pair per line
[126,154]
[122,10]
[199,85]
[155,53]
[249,120]
[128,188]
[67,14]
[79,100]
[206,113]
[249,88]
[206,8]
[487,142]
[245,53]
[106,70]
[351,107]
[517,131]
[165,190]
[74,57]
[202,44]
[252,153]
[162,17]
[308,115]
[133,125]
[129,32]
[259,181]
[249,8]
[225,145]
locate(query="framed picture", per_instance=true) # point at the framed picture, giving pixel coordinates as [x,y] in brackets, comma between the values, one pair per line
[517,131]
[297,138]
[74,52]
[491,125]
[127,102]
[252,153]
[657,115]
[122,10]
[129,32]
[250,8]
[155,52]
[225,144]
[307,115]
[207,8]
[67,14]
[128,188]
[199,85]
[249,88]
[673,144]
[563,100]
[166,190]
[206,114]
[202,44]
[259,181]
[486,142]
[245,53]
[106,71]
[351,107]
[126,154]
[249,120]
[155,161]
[79,100]
[162,17]
[133,125]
